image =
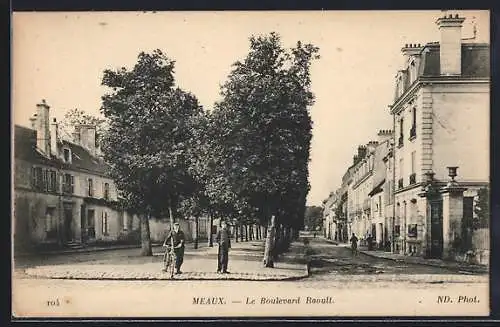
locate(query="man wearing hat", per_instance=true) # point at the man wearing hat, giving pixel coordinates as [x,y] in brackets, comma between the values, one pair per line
[224,242]
[178,239]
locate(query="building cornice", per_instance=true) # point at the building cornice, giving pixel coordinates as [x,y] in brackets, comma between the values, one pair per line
[409,93]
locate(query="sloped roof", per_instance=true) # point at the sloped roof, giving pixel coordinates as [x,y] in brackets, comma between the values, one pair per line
[25,149]
[82,159]
[475,60]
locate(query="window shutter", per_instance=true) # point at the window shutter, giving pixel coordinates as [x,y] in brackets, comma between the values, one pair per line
[45,179]
[33,177]
[72,178]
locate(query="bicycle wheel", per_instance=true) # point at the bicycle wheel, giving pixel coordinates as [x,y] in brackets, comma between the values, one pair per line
[165,261]
[170,265]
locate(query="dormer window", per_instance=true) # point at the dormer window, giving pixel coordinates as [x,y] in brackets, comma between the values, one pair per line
[67,155]
[412,71]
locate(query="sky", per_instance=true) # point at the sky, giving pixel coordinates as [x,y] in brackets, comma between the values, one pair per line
[60,57]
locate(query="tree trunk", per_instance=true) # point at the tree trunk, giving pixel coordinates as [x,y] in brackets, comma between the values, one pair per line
[250,232]
[241,233]
[236,233]
[210,237]
[246,233]
[146,249]
[270,243]
[196,234]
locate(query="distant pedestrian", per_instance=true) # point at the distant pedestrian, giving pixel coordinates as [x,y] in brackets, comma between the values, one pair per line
[223,240]
[354,244]
[369,241]
[177,237]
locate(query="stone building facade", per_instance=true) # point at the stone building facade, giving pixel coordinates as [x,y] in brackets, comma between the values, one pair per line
[441,115]
[418,203]
[62,192]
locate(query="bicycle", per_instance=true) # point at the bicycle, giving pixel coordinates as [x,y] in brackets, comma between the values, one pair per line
[169,260]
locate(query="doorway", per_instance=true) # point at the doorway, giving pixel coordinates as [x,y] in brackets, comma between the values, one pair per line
[436,208]
[68,220]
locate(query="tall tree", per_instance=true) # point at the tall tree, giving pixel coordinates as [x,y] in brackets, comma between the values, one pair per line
[313,217]
[482,208]
[74,117]
[150,123]
[265,131]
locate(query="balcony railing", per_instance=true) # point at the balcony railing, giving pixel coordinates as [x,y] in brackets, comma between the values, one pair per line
[400,141]
[366,204]
[400,183]
[68,189]
[413,132]
[413,179]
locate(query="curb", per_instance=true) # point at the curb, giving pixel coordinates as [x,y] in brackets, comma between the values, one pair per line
[84,250]
[234,277]
[428,264]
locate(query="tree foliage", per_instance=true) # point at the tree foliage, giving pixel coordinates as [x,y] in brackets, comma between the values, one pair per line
[150,124]
[264,131]
[482,208]
[74,117]
[313,217]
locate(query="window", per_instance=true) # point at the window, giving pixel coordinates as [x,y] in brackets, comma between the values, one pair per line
[90,187]
[413,129]
[69,184]
[37,178]
[52,181]
[412,230]
[380,205]
[67,155]
[91,223]
[413,72]
[105,226]
[401,125]
[397,230]
[413,154]
[106,191]
[125,221]
[49,219]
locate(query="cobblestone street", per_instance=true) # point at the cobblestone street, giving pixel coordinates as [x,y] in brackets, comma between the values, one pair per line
[334,272]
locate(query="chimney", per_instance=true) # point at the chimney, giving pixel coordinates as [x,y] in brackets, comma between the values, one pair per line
[42,128]
[87,137]
[410,50]
[361,151]
[384,135]
[54,137]
[372,145]
[33,122]
[450,53]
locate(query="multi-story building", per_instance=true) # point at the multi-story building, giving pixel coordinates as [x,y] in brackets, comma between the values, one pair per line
[329,215]
[62,192]
[64,196]
[441,119]
[380,183]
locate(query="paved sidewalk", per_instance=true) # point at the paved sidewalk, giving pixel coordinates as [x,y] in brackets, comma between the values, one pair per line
[458,266]
[86,249]
[245,263]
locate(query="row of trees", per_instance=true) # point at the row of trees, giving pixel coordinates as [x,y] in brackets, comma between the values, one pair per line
[246,160]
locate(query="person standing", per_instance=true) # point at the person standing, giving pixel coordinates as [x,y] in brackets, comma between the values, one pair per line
[178,238]
[354,244]
[223,240]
